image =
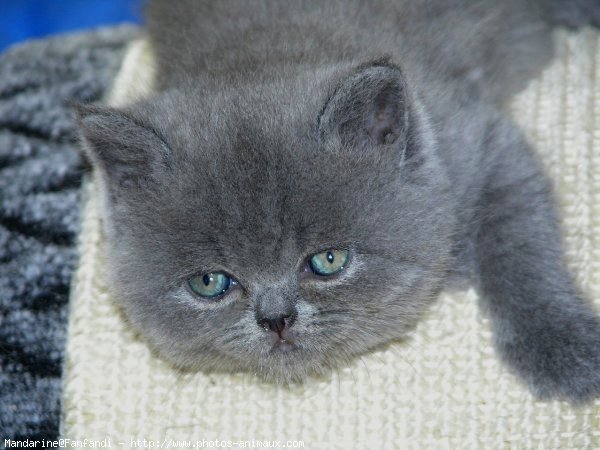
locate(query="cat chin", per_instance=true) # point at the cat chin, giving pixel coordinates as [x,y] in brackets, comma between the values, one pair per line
[278,365]
[283,365]
[288,370]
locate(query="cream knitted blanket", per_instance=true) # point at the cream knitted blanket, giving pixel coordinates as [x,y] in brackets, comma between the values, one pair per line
[443,389]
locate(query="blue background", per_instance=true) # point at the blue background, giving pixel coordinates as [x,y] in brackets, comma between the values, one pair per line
[25,19]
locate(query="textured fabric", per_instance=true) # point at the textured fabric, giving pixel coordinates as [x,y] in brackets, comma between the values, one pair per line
[40,178]
[444,388]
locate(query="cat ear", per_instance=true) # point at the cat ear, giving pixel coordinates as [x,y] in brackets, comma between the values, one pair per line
[127,152]
[369,107]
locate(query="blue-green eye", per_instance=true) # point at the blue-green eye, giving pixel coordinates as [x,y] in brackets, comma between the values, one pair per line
[329,262]
[210,284]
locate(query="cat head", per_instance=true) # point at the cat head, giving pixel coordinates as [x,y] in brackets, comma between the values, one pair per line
[279,227]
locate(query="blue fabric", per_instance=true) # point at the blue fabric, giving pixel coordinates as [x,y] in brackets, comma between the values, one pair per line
[40,178]
[26,19]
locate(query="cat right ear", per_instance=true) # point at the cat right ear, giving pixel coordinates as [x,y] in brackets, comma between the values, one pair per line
[369,108]
[125,151]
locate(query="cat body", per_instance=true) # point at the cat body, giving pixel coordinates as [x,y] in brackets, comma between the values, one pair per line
[372,131]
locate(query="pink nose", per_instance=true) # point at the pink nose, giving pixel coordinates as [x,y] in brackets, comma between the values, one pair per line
[277,324]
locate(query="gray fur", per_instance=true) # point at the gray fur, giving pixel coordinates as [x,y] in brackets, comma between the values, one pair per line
[283,129]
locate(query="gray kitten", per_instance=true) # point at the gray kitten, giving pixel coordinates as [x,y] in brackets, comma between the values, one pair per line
[310,175]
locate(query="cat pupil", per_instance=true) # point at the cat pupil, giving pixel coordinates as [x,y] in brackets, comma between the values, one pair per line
[330,257]
[206,279]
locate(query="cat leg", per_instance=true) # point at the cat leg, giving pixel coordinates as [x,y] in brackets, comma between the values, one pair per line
[543,328]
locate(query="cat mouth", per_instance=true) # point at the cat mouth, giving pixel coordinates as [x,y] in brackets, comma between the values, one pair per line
[283,346]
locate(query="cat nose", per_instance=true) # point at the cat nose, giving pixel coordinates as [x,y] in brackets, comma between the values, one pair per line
[276,324]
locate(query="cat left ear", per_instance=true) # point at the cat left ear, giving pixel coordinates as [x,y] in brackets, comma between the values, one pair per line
[369,107]
[127,152]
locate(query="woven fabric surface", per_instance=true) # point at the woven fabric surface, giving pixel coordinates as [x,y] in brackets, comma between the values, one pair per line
[40,181]
[444,388]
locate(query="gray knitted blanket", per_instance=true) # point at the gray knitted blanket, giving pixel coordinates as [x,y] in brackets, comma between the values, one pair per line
[40,177]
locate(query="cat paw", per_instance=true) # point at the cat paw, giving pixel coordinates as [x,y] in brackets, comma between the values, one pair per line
[559,362]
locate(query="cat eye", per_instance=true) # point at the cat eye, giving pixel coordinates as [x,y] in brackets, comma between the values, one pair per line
[329,262]
[210,285]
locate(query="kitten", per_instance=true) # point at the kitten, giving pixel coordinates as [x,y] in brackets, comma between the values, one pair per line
[308,176]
